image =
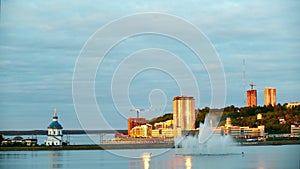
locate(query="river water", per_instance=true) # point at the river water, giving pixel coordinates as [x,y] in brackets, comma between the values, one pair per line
[255,157]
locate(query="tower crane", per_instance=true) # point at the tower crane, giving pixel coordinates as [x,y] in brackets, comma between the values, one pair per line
[137,111]
[252,85]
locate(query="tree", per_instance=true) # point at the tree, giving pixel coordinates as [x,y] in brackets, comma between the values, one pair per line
[1,138]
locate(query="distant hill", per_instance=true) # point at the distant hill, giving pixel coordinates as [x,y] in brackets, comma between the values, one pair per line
[247,116]
[44,132]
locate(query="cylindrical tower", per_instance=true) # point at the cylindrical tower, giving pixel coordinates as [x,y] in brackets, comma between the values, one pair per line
[184,112]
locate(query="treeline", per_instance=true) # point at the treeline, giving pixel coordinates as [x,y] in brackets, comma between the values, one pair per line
[44,132]
[271,116]
[165,117]
[247,116]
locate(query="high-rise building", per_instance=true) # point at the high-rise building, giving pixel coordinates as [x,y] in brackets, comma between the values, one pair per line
[251,98]
[184,112]
[270,96]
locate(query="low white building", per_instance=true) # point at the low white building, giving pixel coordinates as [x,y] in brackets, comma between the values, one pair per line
[292,104]
[54,132]
[295,130]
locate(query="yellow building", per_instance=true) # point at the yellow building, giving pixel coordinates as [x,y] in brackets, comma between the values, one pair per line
[163,129]
[141,131]
[163,132]
[259,116]
[133,122]
[184,112]
[270,96]
[292,104]
[166,124]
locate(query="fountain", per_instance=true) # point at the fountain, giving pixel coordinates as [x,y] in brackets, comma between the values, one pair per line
[208,141]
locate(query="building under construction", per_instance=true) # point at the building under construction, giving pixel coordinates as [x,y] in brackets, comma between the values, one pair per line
[251,97]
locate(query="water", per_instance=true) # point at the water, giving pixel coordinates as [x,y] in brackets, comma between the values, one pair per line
[215,145]
[255,157]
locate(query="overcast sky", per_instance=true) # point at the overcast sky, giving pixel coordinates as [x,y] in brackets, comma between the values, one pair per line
[40,42]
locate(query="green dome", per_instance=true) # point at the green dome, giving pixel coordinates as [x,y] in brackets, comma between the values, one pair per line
[55,125]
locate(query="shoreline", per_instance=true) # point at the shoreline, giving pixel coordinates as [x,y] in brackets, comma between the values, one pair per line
[271,143]
[89,147]
[134,146]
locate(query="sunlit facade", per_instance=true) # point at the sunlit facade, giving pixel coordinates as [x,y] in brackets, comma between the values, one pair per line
[184,112]
[251,98]
[292,104]
[270,96]
[240,131]
[141,131]
[133,122]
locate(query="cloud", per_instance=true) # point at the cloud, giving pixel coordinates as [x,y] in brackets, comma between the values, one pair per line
[40,42]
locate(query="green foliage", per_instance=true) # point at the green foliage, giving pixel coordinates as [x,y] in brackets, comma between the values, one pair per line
[200,115]
[165,117]
[246,116]
[1,138]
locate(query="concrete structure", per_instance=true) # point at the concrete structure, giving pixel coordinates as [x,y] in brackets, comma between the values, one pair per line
[133,122]
[270,96]
[166,124]
[244,132]
[163,129]
[295,130]
[228,122]
[292,104]
[141,131]
[163,132]
[184,112]
[251,98]
[240,132]
[31,142]
[54,132]
[18,140]
[259,116]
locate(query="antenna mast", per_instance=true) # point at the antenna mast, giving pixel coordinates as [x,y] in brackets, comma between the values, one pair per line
[244,80]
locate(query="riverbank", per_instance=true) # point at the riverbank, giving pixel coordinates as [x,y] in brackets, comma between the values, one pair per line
[131,146]
[88,147]
[264,143]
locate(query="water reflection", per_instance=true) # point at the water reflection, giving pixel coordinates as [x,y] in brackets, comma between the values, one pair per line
[188,162]
[146,158]
[55,159]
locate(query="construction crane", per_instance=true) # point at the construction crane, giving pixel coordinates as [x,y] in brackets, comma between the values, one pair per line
[139,110]
[252,85]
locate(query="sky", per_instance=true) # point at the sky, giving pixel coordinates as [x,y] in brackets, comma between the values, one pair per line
[41,44]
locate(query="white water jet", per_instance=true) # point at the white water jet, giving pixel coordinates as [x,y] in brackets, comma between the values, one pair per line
[216,144]
[208,142]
